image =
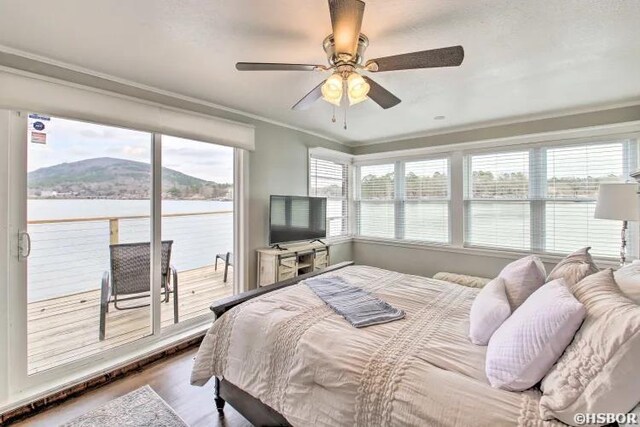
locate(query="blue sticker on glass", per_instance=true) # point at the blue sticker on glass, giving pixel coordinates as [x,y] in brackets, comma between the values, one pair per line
[39,117]
[38,126]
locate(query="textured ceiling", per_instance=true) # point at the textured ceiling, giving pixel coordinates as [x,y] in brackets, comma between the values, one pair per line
[524,59]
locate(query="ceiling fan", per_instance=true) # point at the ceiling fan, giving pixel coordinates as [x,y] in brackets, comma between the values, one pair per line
[345,52]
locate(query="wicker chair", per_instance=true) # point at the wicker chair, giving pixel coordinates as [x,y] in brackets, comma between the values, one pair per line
[130,278]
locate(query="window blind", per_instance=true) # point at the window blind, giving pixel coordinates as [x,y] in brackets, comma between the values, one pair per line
[497,202]
[406,200]
[330,179]
[543,199]
[573,177]
[94,105]
[426,207]
[376,204]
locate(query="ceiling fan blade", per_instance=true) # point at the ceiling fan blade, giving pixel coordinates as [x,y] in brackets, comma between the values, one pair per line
[346,21]
[309,98]
[380,95]
[443,57]
[270,66]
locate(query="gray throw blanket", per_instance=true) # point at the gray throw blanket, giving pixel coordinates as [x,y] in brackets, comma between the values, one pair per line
[356,305]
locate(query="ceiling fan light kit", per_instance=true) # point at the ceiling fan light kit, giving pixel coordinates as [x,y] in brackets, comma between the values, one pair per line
[345,49]
[358,88]
[332,89]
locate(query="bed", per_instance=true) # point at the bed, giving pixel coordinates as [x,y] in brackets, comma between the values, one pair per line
[286,358]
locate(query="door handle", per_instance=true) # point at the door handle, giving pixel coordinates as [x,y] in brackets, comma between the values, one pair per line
[24,245]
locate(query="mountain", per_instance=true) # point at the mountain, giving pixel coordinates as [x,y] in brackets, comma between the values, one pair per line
[109,178]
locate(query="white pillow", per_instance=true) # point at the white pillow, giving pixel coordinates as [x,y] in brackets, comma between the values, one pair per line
[522,278]
[628,279]
[528,343]
[489,310]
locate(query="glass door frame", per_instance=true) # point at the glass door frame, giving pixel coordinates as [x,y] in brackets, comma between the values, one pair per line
[21,388]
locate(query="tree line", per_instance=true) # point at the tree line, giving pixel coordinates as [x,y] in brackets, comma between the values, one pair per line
[484,184]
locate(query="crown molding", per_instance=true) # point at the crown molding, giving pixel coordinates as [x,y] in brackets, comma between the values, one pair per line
[624,129]
[32,64]
[500,122]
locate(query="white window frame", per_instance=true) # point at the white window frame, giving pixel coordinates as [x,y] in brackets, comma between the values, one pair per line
[346,160]
[17,387]
[400,196]
[537,198]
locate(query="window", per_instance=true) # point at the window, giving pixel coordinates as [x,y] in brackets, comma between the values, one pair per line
[406,200]
[330,179]
[376,205]
[497,203]
[426,209]
[572,180]
[89,215]
[542,199]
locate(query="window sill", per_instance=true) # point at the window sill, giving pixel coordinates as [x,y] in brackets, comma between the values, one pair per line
[477,251]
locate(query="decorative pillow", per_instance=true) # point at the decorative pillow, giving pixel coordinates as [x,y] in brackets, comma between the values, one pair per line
[529,342]
[489,310]
[599,370]
[628,279]
[522,278]
[574,267]
[462,279]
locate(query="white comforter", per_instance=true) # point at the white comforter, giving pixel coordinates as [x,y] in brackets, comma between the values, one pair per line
[291,351]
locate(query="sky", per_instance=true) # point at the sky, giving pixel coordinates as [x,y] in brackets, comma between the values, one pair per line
[70,141]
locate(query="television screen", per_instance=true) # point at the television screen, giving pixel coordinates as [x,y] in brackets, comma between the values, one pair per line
[296,218]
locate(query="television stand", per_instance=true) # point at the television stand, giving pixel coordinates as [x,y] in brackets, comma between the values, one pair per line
[278,247]
[276,263]
[317,240]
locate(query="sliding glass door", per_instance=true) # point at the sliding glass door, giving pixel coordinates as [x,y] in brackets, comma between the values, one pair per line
[197,223]
[88,208]
[87,203]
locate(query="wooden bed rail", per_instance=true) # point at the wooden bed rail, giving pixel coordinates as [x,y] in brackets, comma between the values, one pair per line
[225,304]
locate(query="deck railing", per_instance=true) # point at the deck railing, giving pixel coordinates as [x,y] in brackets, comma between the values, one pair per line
[70,254]
[114,222]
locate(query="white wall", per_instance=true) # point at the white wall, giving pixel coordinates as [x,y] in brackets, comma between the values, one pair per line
[279,165]
[425,261]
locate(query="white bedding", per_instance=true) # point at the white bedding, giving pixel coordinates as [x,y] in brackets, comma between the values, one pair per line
[291,351]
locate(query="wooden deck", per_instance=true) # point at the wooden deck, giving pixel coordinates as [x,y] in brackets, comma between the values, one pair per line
[65,329]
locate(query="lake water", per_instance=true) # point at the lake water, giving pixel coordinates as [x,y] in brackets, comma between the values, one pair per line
[70,257]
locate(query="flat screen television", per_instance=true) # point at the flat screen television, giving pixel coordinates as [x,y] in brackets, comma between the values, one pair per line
[297,218]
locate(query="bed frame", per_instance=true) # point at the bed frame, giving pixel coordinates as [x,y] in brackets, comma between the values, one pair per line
[248,406]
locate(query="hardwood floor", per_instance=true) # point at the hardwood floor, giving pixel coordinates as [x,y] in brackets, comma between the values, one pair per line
[169,378]
[64,329]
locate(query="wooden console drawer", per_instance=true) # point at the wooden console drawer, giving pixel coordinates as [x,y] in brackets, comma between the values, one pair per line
[321,260]
[288,263]
[286,274]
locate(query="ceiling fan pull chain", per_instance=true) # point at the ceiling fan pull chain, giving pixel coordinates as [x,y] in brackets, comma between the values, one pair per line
[333,119]
[345,117]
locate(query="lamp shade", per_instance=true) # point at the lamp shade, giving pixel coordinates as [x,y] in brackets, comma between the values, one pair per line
[618,201]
